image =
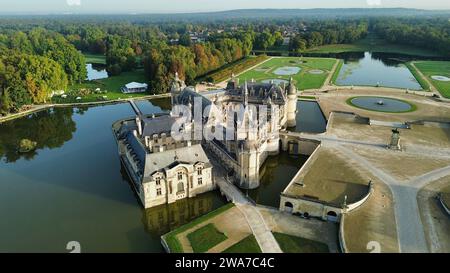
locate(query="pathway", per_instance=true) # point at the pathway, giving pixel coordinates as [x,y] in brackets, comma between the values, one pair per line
[409,225]
[261,231]
[330,75]
[37,108]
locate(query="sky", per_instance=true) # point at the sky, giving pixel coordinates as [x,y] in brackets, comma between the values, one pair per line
[178,6]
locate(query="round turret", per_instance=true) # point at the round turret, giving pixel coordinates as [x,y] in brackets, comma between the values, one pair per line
[292,90]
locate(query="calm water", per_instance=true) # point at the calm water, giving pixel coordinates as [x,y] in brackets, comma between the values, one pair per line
[73,188]
[276,173]
[381,104]
[309,118]
[148,107]
[96,72]
[372,69]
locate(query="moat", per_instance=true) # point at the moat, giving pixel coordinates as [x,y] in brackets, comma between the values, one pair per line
[76,162]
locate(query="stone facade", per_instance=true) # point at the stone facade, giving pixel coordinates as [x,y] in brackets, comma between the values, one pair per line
[162,169]
[246,151]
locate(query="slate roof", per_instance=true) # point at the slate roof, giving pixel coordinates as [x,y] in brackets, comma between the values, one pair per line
[158,125]
[159,161]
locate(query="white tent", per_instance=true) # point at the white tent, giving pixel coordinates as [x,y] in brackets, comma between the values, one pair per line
[134,87]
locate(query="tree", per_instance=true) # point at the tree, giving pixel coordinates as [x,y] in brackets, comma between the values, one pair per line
[185,40]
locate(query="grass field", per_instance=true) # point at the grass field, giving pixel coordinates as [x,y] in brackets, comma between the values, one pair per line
[247,245]
[436,68]
[303,80]
[205,238]
[292,244]
[94,58]
[373,44]
[171,237]
[111,85]
[419,78]
[237,67]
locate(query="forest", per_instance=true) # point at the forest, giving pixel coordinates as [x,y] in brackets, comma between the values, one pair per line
[41,55]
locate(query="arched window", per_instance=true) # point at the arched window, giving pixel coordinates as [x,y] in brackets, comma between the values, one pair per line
[288,204]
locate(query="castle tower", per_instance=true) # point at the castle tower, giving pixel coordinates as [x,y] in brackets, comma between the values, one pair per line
[249,162]
[176,88]
[233,83]
[291,104]
[245,95]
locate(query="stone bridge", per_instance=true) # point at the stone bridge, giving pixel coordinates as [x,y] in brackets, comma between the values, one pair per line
[260,229]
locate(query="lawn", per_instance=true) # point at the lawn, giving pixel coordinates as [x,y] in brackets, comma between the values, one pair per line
[111,85]
[303,79]
[94,58]
[225,72]
[373,44]
[293,244]
[205,238]
[171,237]
[419,78]
[246,245]
[436,68]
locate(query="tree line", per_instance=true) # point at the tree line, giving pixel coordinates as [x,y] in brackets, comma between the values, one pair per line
[34,61]
[433,34]
[33,64]
[193,61]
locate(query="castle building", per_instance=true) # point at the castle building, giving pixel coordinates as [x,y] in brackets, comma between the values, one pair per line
[163,169]
[256,133]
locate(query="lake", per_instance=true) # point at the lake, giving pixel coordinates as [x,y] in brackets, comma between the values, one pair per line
[73,188]
[96,72]
[373,69]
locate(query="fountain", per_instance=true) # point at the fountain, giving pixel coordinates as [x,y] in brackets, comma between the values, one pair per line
[381,104]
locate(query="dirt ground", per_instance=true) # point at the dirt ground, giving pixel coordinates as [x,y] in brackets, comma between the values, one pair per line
[401,166]
[330,178]
[426,107]
[373,221]
[434,218]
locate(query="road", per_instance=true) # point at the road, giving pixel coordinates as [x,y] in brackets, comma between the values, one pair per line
[409,225]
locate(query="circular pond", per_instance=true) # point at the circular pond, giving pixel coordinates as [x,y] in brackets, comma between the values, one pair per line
[276,81]
[315,71]
[286,70]
[441,78]
[381,104]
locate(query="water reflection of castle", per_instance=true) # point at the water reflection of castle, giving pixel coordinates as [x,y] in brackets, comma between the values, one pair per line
[164,218]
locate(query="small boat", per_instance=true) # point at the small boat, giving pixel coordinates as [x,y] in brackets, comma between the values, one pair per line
[380,102]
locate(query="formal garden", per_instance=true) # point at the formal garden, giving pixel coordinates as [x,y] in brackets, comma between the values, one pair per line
[307,73]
